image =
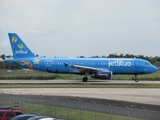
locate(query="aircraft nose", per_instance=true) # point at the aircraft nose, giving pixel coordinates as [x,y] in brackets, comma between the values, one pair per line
[155,69]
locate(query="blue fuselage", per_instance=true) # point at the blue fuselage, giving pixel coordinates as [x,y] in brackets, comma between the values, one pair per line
[58,65]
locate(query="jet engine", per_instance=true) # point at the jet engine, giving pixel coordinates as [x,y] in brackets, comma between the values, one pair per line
[102,75]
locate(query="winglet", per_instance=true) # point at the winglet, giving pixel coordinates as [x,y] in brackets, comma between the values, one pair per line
[19,48]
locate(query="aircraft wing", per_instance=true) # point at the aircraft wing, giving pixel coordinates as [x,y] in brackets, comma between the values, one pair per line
[22,62]
[84,68]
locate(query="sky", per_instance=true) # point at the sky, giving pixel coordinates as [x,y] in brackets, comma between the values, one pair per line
[71,28]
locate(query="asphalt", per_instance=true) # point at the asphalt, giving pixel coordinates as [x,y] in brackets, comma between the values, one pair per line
[80,81]
[145,96]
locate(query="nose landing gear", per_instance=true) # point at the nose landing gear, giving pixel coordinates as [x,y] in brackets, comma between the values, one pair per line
[136,79]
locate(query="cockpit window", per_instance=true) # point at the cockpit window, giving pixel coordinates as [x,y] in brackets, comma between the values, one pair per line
[147,63]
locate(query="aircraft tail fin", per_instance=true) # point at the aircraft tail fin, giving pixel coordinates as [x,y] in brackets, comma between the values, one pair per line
[19,48]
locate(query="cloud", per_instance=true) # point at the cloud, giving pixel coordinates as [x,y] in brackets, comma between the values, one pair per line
[85,27]
[4,44]
[37,32]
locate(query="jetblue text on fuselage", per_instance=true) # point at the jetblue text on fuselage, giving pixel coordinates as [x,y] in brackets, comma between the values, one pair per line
[119,63]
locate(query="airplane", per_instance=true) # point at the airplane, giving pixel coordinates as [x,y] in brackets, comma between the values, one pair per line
[98,68]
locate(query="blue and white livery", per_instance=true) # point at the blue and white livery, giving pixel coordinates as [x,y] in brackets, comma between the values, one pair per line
[99,68]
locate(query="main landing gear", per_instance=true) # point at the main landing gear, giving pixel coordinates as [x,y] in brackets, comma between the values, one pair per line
[136,79]
[84,79]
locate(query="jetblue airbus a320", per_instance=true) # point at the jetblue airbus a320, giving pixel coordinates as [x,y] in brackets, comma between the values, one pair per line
[99,68]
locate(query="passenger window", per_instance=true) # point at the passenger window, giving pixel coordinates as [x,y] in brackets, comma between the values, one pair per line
[10,114]
[1,114]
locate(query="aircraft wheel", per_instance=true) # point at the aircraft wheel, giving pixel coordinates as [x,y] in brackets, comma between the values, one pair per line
[136,80]
[85,79]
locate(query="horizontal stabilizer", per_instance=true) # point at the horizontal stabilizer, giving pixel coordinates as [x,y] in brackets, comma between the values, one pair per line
[21,62]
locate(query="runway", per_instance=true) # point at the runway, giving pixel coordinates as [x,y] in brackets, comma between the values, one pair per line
[136,95]
[80,81]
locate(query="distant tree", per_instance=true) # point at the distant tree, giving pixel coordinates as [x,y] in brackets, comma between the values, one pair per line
[114,55]
[132,56]
[8,56]
[158,59]
[103,56]
[121,56]
[8,65]
[127,56]
[3,56]
[96,56]
[81,56]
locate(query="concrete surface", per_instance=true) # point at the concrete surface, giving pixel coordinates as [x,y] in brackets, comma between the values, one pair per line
[80,81]
[145,96]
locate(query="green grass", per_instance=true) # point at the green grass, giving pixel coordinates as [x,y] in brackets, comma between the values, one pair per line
[60,112]
[20,74]
[79,86]
[154,76]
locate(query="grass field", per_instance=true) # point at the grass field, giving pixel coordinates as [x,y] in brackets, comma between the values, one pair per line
[78,86]
[20,74]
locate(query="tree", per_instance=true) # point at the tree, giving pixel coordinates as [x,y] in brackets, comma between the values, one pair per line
[81,56]
[103,56]
[158,59]
[8,65]
[96,56]
[3,56]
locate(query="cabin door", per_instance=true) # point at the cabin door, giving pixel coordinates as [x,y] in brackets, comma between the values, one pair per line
[137,64]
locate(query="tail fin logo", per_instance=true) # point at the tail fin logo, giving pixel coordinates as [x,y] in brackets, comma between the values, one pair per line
[21,51]
[20,46]
[14,39]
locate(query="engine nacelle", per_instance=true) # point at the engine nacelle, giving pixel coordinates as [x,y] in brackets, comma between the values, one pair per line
[102,75]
